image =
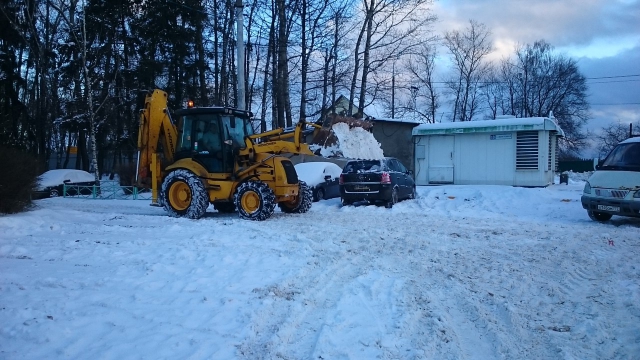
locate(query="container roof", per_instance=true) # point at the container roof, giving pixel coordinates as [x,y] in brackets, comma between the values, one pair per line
[403,121]
[484,126]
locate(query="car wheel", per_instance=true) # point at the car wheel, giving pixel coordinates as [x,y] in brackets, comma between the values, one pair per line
[320,194]
[393,200]
[54,193]
[598,216]
[413,194]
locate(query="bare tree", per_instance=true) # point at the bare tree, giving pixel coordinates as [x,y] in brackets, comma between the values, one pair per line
[390,29]
[468,50]
[539,82]
[611,135]
[422,71]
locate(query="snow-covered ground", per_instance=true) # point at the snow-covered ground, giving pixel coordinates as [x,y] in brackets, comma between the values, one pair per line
[462,272]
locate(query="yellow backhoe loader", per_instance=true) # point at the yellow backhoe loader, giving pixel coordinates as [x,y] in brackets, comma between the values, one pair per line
[210,155]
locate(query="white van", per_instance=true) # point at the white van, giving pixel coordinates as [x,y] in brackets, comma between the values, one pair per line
[614,188]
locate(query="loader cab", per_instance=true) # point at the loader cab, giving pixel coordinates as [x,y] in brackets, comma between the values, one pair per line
[211,136]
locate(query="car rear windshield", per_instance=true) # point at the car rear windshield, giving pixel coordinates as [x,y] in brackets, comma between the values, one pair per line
[363,166]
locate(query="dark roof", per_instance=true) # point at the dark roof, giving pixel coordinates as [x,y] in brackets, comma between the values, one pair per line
[400,121]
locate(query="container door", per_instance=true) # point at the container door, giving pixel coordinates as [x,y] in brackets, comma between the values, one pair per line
[441,160]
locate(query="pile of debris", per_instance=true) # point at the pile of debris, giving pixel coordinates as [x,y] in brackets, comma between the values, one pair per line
[347,137]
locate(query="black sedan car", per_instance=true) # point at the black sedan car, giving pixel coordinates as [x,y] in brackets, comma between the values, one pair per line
[384,181]
[51,183]
[322,177]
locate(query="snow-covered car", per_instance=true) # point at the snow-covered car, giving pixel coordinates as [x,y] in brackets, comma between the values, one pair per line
[51,183]
[322,177]
[614,188]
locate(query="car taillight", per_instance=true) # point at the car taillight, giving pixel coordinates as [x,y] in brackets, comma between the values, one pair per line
[341,179]
[386,179]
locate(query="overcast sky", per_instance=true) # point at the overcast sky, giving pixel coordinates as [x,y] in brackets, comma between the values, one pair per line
[602,35]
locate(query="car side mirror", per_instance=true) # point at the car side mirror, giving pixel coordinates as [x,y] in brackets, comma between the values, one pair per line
[327,178]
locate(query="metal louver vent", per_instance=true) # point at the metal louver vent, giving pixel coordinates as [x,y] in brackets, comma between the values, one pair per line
[527,150]
[550,157]
[555,150]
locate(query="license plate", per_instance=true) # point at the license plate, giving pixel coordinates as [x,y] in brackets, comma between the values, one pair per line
[361,188]
[609,208]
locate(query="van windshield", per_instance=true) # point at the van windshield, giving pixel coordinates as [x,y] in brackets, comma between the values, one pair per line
[623,157]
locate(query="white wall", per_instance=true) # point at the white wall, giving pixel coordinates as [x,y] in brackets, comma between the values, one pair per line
[480,160]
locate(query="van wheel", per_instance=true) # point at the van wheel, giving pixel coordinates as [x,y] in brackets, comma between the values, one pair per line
[598,216]
[255,201]
[183,195]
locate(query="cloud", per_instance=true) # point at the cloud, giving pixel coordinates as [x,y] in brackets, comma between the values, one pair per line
[564,24]
[602,35]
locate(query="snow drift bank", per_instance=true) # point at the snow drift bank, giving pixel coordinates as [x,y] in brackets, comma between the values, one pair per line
[462,272]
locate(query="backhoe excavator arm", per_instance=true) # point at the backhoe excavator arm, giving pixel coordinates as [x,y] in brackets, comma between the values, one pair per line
[276,141]
[156,131]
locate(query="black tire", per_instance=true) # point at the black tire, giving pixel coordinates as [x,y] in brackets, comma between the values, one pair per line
[319,194]
[346,202]
[394,199]
[413,194]
[183,195]
[255,201]
[598,216]
[303,201]
[225,208]
[54,193]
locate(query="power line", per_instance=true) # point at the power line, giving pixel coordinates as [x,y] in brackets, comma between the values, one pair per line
[612,77]
[637,103]
[615,81]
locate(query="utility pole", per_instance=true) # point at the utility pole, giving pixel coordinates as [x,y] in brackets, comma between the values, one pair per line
[240,54]
[393,91]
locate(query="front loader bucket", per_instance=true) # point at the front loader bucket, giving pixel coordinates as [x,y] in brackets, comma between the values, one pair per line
[325,137]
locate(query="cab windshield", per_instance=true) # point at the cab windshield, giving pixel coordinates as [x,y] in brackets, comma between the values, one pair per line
[625,156]
[224,126]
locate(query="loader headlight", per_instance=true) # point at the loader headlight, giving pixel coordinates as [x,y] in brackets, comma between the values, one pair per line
[587,188]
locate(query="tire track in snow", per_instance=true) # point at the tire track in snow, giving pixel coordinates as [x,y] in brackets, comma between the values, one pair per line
[318,287]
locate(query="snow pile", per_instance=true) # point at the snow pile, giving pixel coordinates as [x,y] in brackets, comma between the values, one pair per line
[58,176]
[354,143]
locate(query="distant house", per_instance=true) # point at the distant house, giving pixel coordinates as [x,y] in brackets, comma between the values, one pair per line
[508,151]
[341,107]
